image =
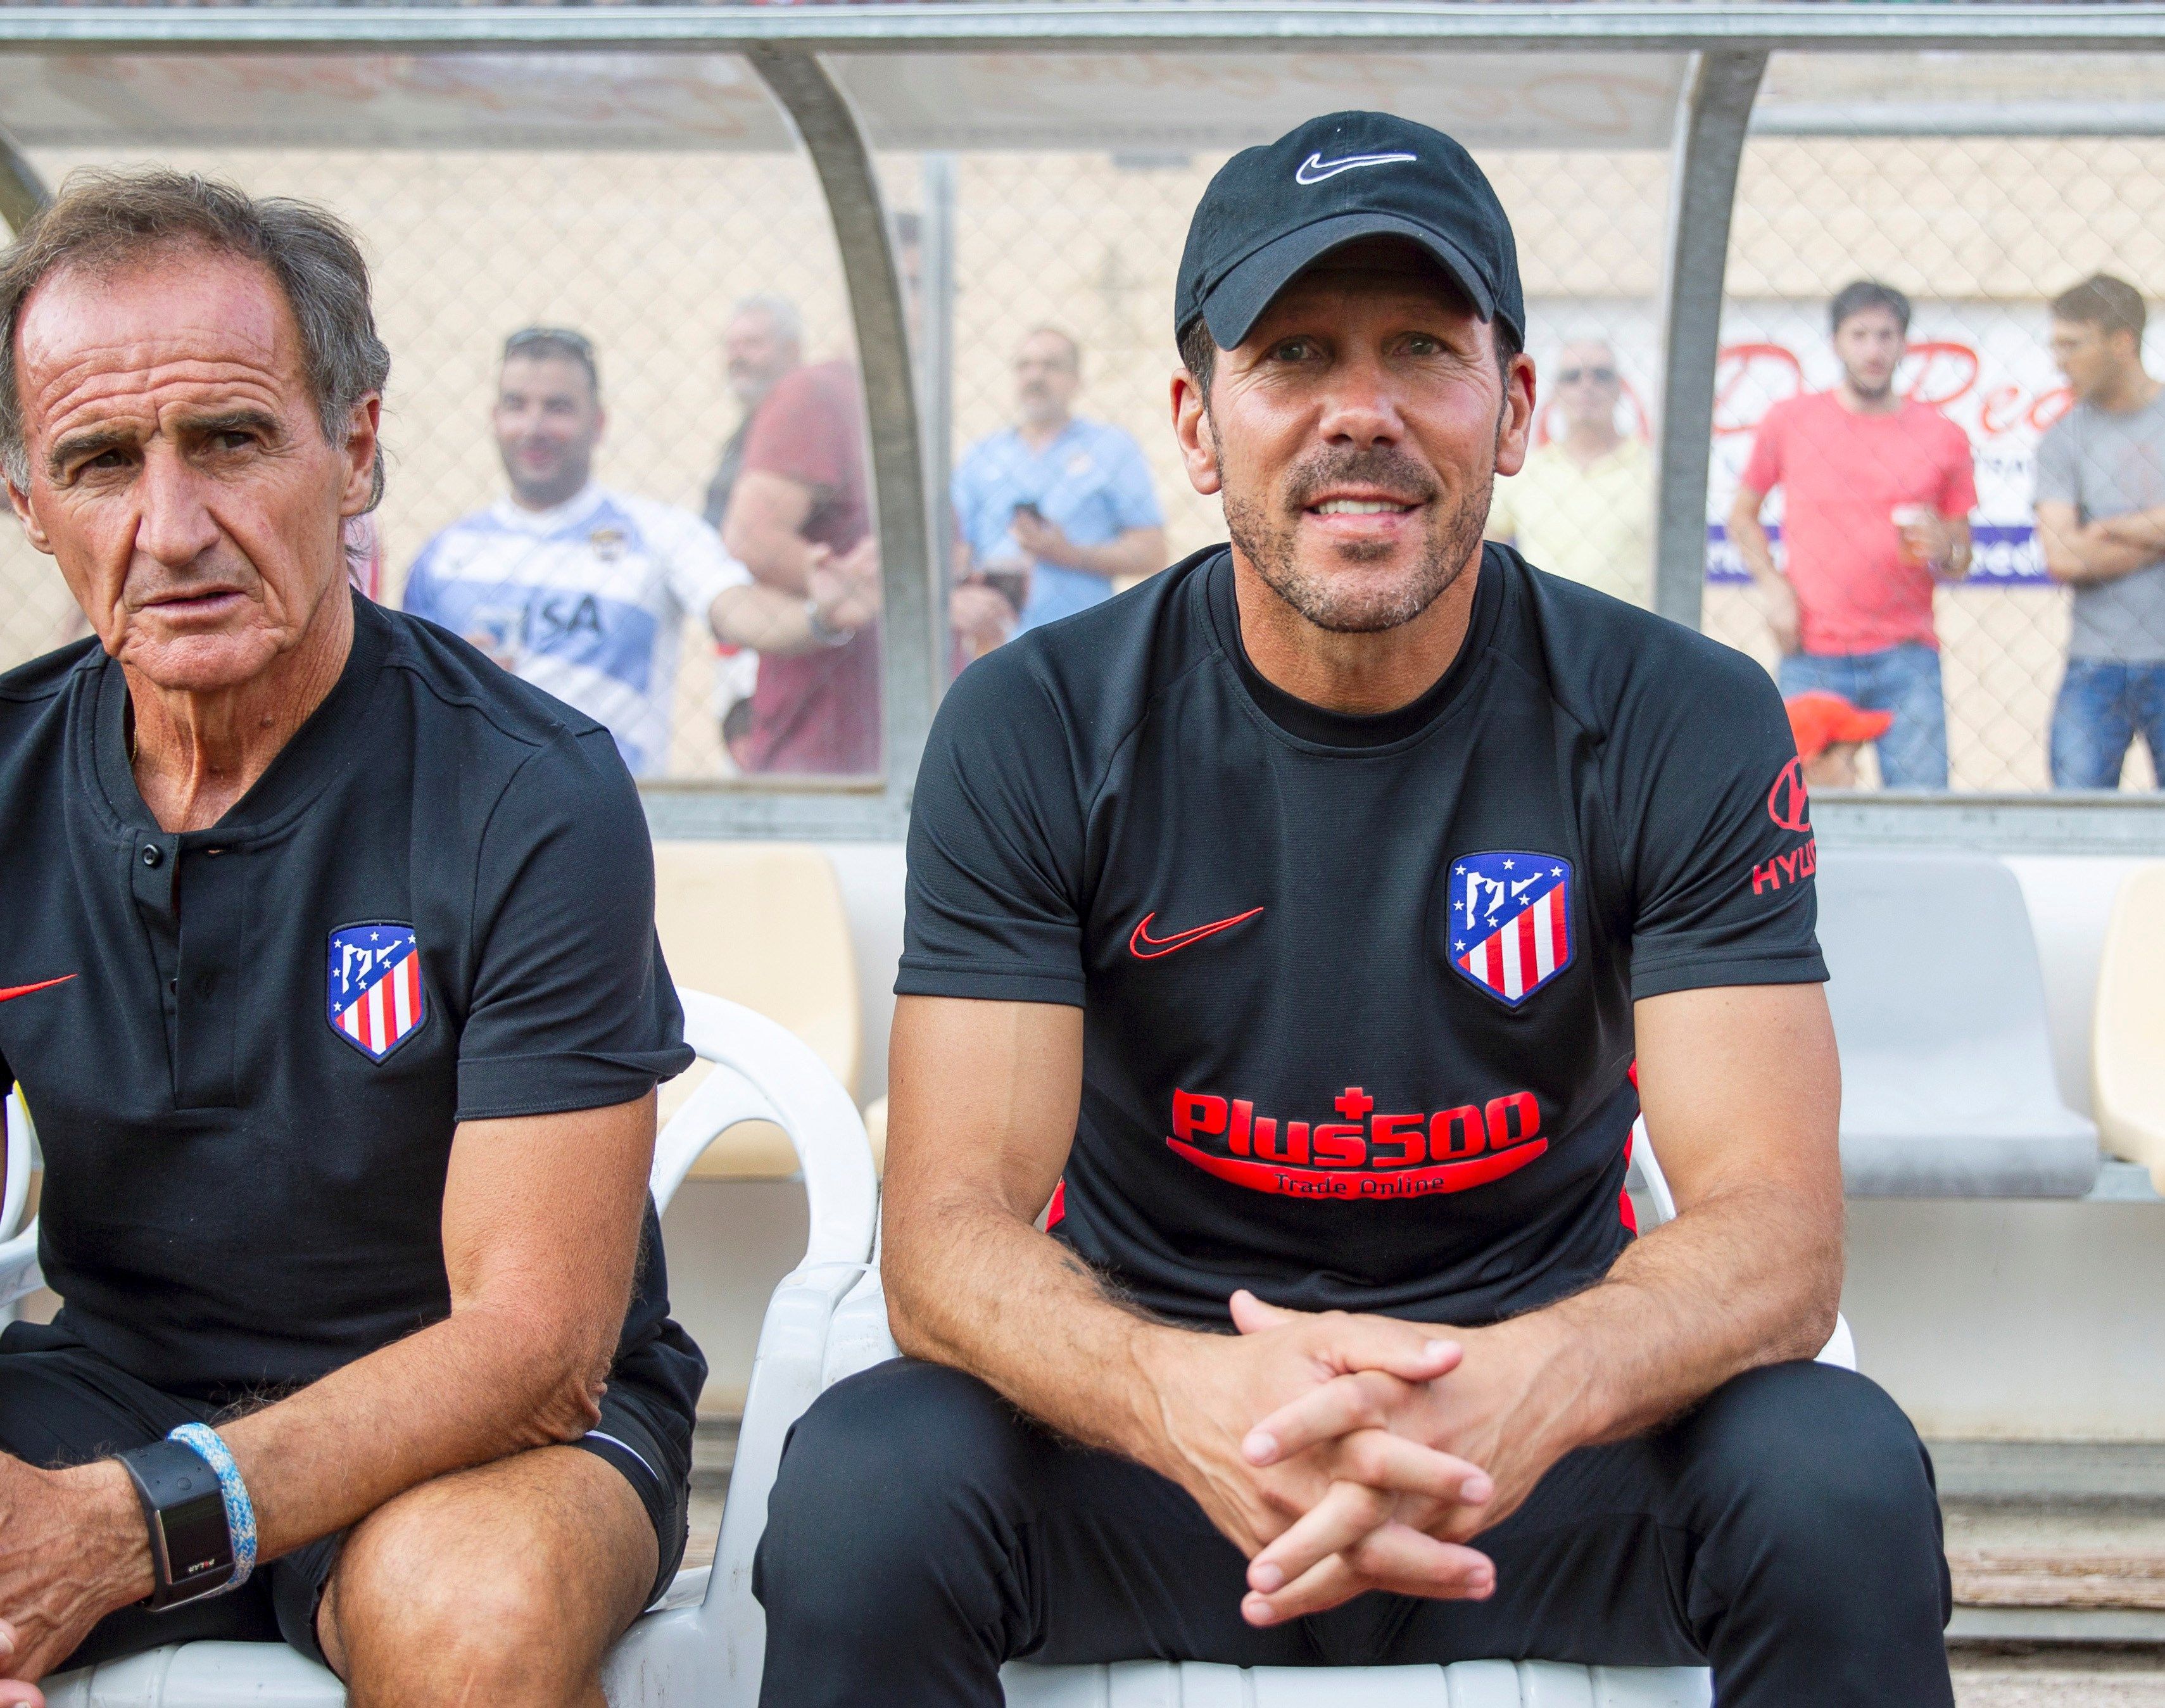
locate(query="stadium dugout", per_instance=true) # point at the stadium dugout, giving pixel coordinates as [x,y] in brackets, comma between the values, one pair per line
[2000,1122]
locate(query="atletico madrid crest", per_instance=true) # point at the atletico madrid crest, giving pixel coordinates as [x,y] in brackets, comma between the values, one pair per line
[376,998]
[1510,927]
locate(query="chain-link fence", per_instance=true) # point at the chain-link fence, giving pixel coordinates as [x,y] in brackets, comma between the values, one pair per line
[1900,505]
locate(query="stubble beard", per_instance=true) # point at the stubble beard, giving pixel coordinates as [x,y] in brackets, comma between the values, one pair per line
[1342,605]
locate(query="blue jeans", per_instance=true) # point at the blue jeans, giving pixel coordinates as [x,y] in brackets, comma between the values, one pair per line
[1903,680]
[2101,708]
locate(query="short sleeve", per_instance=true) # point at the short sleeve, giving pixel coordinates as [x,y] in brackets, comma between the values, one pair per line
[1133,492]
[996,839]
[1762,471]
[2059,477]
[1716,833]
[1503,510]
[1958,489]
[698,565]
[800,433]
[572,1006]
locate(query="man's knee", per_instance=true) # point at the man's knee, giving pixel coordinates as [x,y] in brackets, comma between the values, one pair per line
[438,1597]
[892,1476]
[1815,1469]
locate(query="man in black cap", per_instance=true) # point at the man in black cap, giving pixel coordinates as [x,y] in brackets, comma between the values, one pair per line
[1285,930]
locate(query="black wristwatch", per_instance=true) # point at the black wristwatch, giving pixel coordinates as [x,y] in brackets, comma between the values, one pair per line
[191,1543]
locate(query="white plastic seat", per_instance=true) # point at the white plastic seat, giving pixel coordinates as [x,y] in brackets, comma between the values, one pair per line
[683,1650]
[1938,998]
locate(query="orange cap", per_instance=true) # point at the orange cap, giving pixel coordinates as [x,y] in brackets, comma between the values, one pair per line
[1821,720]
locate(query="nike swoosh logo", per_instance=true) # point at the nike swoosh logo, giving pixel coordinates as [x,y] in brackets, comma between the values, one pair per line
[25,989]
[1145,947]
[1315,169]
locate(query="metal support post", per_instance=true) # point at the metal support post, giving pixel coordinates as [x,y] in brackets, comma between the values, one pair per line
[835,142]
[936,367]
[1709,146]
[22,191]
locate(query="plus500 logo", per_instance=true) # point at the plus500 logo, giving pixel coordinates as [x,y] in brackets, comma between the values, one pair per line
[1363,1155]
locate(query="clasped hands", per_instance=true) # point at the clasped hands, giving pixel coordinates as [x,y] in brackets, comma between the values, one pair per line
[1343,1453]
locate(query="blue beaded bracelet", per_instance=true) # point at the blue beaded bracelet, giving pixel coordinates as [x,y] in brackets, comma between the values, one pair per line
[239,1510]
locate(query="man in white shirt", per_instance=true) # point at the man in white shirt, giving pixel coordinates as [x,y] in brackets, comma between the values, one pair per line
[583,591]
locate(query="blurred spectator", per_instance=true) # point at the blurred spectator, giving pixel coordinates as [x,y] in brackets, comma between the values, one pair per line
[800,517]
[801,512]
[1049,511]
[1878,495]
[1583,504]
[763,341]
[2101,527]
[1829,731]
[582,590]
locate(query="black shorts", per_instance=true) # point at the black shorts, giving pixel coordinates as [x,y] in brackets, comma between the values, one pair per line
[60,1404]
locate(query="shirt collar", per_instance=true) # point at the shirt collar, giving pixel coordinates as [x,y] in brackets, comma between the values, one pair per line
[572,511]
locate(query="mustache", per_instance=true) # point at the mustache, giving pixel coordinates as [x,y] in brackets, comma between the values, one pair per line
[1379,466]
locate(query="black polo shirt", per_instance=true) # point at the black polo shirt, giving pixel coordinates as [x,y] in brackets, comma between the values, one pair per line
[1356,992]
[246,1048]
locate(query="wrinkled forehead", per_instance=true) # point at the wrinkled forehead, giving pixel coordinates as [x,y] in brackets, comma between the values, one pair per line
[176,317]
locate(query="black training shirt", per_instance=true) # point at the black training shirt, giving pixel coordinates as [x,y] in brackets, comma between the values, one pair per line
[435,906]
[1356,991]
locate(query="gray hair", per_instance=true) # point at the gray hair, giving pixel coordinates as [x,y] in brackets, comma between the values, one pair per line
[780,312]
[102,221]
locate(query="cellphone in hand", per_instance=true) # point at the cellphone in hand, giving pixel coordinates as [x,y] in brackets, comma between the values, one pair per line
[1028,508]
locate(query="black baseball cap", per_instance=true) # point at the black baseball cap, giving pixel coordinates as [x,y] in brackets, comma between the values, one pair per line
[1271,211]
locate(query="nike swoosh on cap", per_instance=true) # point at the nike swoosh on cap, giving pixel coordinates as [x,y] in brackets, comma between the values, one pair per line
[1145,947]
[9,995]
[1315,169]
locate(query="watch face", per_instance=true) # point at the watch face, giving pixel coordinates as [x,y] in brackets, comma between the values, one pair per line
[195,1541]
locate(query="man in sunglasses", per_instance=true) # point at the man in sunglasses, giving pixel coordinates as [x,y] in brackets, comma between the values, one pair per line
[583,591]
[1583,505]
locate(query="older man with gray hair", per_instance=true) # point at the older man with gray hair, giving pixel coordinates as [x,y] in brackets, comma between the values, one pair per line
[329,974]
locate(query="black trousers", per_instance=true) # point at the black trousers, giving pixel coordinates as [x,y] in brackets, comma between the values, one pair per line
[1785,1532]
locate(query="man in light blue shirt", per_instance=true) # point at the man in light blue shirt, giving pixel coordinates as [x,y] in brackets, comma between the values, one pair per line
[1053,508]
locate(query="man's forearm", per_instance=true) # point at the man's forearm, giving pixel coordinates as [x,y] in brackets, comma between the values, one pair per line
[1746,1278]
[1749,539]
[765,618]
[971,1285]
[482,1383]
[2142,529]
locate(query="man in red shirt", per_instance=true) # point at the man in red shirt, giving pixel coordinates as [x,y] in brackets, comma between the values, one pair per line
[801,513]
[1878,491]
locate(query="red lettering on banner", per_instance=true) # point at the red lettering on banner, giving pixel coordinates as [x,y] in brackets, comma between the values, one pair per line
[1999,408]
[1939,371]
[1403,1130]
[1308,1183]
[2051,407]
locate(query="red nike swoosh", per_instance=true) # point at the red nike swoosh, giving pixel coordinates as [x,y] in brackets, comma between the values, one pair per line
[1145,947]
[25,989]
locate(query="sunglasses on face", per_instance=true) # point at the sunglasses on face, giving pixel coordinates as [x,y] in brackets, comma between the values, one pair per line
[1600,376]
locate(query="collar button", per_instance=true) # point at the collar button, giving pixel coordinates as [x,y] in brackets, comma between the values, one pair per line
[153,855]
